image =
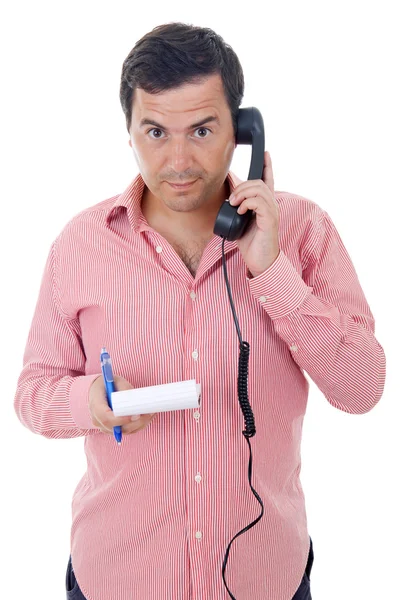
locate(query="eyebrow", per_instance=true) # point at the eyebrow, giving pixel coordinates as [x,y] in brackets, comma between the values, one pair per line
[193,126]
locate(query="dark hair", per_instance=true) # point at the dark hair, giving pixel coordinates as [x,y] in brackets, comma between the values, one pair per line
[177,53]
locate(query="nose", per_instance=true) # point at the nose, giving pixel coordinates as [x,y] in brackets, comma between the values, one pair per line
[180,154]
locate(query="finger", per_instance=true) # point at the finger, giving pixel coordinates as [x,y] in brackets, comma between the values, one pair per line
[133,428]
[103,428]
[252,190]
[106,425]
[251,193]
[261,208]
[137,425]
[109,421]
[248,204]
[268,175]
[257,201]
[246,185]
[128,429]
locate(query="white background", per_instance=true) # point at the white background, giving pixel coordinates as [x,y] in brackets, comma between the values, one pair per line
[325,78]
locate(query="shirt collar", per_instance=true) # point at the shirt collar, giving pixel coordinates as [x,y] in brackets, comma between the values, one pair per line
[131,199]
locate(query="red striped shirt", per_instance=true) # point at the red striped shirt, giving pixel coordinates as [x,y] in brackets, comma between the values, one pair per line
[152,518]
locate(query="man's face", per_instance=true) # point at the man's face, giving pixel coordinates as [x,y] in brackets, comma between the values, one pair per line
[170,149]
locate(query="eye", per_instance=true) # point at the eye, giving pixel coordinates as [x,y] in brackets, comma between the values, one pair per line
[154,129]
[157,137]
[203,129]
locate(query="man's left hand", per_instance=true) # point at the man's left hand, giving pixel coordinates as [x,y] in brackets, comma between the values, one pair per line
[259,245]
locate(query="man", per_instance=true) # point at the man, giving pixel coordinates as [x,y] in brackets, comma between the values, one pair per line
[141,273]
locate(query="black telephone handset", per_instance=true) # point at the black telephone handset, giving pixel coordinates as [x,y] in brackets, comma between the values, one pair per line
[250,130]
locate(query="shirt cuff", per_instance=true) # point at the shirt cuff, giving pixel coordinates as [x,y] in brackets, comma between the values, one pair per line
[279,289]
[79,400]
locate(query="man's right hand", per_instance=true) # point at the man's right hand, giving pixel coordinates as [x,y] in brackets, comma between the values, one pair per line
[102,415]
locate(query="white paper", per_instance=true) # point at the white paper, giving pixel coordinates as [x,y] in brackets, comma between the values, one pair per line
[157,398]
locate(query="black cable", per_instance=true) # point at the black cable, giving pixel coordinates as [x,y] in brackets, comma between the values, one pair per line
[250,430]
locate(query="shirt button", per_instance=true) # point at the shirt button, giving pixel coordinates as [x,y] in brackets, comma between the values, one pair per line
[264,298]
[197,478]
[195,354]
[192,295]
[198,535]
[196,414]
[159,249]
[294,348]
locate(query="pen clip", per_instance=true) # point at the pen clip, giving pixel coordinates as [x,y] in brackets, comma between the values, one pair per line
[106,368]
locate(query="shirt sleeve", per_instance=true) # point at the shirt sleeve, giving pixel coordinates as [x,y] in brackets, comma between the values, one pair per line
[52,390]
[325,319]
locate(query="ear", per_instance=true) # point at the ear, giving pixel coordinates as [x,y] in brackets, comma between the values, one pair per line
[130,142]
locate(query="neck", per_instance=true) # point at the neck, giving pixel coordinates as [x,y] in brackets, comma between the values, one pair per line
[194,224]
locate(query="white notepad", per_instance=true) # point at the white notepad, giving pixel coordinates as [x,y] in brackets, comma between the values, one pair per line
[156,398]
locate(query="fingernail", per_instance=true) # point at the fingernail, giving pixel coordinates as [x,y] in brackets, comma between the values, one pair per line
[135,418]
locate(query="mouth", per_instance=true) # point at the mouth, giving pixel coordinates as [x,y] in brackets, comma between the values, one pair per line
[184,186]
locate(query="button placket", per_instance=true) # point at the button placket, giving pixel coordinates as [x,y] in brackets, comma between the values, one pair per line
[196,416]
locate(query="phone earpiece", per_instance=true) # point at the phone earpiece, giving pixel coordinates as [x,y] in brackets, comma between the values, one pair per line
[250,130]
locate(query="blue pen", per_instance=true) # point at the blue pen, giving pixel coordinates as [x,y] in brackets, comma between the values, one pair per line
[108,377]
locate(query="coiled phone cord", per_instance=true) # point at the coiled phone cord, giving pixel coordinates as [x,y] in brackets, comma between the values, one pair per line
[250,430]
